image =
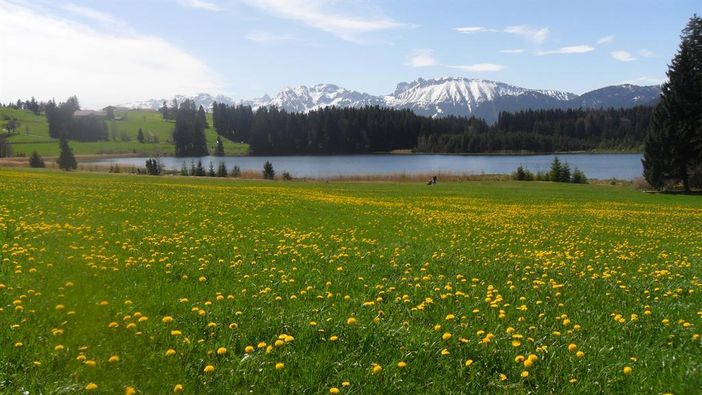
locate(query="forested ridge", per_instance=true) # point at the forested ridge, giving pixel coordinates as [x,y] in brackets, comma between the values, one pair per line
[375,129]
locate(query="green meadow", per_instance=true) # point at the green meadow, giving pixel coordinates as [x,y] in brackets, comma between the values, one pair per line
[115,283]
[33,135]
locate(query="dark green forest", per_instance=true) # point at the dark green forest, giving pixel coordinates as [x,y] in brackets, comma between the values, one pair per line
[375,129]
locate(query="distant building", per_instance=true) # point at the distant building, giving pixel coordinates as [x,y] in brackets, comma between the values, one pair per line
[88,113]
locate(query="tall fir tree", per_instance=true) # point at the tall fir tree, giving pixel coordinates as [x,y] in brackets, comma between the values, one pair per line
[219,147]
[66,160]
[673,146]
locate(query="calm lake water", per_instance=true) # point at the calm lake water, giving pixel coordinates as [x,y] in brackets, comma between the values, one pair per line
[602,166]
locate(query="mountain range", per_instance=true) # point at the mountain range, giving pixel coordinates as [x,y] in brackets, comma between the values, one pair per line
[436,97]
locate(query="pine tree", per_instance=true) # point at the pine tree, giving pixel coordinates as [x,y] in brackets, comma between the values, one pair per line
[556,170]
[219,147]
[221,170]
[268,172]
[673,145]
[236,171]
[202,118]
[66,160]
[211,171]
[140,136]
[184,170]
[199,170]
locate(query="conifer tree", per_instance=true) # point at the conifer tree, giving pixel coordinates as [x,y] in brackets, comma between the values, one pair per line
[268,172]
[66,160]
[221,170]
[673,145]
[140,136]
[219,147]
[35,160]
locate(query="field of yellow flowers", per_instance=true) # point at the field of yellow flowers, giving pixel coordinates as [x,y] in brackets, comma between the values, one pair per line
[153,285]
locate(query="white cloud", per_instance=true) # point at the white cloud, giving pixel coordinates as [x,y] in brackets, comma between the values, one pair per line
[422,58]
[199,4]
[473,29]
[575,49]
[512,50]
[535,35]
[622,56]
[345,22]
[267,37]
[605,40]
[645,53]
[479,67]
[94,15]
[52,57]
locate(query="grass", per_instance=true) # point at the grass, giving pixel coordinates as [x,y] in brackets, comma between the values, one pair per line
[33,135]
[340,282]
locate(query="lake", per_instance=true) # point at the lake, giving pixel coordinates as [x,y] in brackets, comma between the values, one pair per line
[601,166]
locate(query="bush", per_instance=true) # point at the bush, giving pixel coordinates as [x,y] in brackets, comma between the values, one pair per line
[287,176]
[66,160]
[236,171]
[36,161]
[153,167]
[211,171]
[221,170]
[268,172]
[578,177]
[522,174]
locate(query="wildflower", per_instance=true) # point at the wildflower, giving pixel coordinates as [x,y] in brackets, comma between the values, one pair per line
[627,370]
[209,369]
[58,348]
[221,351]
[445,352]
[113,359]
[580,354]
[351,321]
[167,319]
[129,391]
[279,365]
[446,336]
[170,352]
[91,386]
[469,362]
[334,390]
[376,368]
[572,347]
[450,317]
[249,349]
[401,364]
[178,388]
[524,374]
[333,338]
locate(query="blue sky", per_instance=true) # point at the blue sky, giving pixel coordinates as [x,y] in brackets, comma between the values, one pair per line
[109,52]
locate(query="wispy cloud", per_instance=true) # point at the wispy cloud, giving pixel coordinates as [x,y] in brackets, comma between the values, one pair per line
[575,49]
[58,57]
[479,67]
[518,50]
[199,4]
[535,35]
[622,56]
[645,53]
[473,29]
[267,37]
[104,19]
[532,34]
[338,18]
[605,40]
[422,58]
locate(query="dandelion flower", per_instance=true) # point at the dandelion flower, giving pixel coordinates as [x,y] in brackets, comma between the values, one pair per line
[351,321]
[249,349]
[209,369]
[524,374]
[170,352]
[279,365]
[113,359]
[627,370]
[401,364]
[178,388]
[129,391]
[469,362]
[334,390]
[221,351]
[572,347]
[91,386]
[446,336]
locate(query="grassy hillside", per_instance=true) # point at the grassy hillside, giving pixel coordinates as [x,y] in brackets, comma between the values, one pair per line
[34,136]
[162,284]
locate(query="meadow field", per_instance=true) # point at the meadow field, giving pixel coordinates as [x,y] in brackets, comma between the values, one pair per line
[33,135]
[115,283]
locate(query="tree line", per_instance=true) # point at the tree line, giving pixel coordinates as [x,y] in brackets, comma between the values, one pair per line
[64,124]
[375,129]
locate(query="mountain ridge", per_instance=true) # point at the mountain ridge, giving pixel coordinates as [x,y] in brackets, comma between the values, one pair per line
[435,97]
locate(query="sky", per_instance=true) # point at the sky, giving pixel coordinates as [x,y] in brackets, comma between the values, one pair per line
[116,51]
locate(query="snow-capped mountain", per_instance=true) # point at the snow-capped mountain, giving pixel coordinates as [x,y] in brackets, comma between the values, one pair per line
[435,97]
[469,97]
[620,96]
[203,99]
[304,99]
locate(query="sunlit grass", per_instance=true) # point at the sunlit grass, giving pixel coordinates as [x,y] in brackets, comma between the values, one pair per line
[114,283]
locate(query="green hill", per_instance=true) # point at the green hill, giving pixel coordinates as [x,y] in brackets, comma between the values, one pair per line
[32,134]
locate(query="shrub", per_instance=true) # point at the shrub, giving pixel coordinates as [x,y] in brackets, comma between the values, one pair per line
[578,177]
[36,161]
[522,174]
[221,170]
[287,176]
[236,171]
[153,167]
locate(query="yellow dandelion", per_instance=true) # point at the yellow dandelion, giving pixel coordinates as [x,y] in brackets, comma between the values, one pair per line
[401,364]
[209,369]
[221,351]
[279,365]
[178,388]
[334,390]
[91,386]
